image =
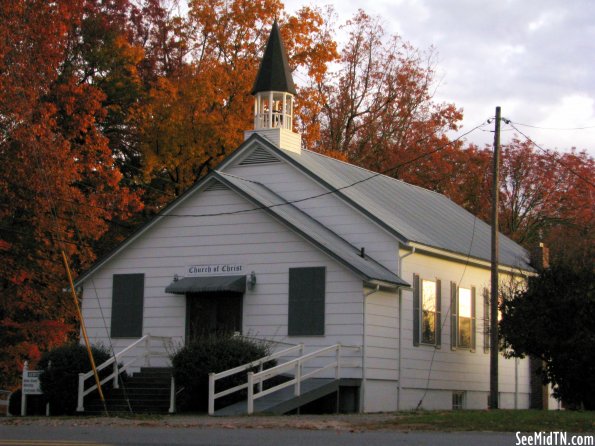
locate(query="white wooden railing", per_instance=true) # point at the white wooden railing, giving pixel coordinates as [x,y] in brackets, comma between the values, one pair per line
[145,352]
[214,377]
[294,366]
[273,120]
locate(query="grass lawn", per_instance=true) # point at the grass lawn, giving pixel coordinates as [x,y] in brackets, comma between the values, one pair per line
[495,420]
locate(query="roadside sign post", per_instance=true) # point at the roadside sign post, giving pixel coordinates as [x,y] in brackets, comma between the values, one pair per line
[31,386]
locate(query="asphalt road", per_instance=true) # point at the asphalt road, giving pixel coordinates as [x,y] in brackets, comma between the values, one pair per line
[31,435]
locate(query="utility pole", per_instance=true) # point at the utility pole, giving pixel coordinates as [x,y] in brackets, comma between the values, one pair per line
[494,284]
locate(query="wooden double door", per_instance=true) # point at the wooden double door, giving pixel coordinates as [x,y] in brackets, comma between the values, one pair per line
[213,314]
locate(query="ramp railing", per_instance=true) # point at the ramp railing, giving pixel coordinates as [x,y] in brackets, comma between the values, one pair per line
[214,377]
[297,367]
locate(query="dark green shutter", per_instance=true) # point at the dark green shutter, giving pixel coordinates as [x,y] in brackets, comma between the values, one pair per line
[438,313]
[453,315]
[306,301]
[416,310]
[127,305]
[486,320]
[473,319]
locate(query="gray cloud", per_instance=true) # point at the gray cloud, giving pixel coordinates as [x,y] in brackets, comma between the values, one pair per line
[535,58]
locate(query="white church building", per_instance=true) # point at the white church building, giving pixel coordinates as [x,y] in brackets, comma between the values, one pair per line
[296,248]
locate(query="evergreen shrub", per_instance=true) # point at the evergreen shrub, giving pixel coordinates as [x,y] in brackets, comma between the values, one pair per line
[61,367]
[193,363]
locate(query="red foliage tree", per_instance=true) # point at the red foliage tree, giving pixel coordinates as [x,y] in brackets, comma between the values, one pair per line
[377,110]
[59,187]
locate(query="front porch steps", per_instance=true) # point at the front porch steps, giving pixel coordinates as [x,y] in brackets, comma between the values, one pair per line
[147,391]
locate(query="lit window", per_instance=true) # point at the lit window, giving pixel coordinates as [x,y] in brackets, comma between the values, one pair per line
[465,316]
[428,312]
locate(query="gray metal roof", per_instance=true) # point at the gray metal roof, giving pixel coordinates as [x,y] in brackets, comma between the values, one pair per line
[309,228]
[411,212]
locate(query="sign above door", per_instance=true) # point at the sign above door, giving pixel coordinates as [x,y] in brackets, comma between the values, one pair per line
[215,269]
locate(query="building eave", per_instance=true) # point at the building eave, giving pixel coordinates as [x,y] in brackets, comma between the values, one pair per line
[466,259]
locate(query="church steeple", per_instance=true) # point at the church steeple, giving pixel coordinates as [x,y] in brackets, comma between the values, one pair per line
[274,73]
[274,93]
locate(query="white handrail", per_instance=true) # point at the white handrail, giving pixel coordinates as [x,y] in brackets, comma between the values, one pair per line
[147,353]
[299,377]
[213,377]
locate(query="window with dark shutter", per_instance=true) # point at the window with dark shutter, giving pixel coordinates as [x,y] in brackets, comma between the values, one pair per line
[453,316]
[306,301]
[127,305]
[465,310]
[416,299]
[438,313]
[463,323]
[486,320]
[427,299]
[473,319]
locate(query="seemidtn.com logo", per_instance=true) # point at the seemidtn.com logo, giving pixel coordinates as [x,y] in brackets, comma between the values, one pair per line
[553,439]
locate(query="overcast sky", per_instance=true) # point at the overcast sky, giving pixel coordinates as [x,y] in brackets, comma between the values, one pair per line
[534,58]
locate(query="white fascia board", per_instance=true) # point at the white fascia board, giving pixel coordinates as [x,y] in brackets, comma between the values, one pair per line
[460,258]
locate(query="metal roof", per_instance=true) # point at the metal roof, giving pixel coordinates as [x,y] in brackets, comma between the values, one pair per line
[412,213]
[309,228]
[274,73]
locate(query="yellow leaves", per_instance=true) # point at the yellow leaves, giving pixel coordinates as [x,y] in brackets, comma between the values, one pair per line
[130,56]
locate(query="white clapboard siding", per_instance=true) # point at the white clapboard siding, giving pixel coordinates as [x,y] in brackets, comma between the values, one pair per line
[329,210]
[447,369]
[382,336]
[253,239]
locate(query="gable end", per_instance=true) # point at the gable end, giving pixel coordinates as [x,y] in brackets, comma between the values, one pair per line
[259,156]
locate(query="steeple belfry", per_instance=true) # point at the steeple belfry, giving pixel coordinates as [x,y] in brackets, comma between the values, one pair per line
[274,93]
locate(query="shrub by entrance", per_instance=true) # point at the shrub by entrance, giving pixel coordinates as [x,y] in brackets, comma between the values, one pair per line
[193,363]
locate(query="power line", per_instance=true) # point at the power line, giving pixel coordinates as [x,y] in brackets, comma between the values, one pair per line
[333,190]
[329,192]
[446,315]
[551,155]
[553,128]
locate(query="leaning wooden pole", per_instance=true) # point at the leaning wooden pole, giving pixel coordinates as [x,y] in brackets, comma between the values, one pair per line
[494,282]
[84,330]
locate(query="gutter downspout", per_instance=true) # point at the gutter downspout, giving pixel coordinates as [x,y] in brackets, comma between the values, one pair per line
[400,388]
[364,350]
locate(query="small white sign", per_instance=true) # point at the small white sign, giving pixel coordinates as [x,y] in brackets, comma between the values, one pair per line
[215,269]
[31,384]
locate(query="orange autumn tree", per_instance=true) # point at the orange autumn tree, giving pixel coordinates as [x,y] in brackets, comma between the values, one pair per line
[195,113]
[545,196]
[59,187]
[549,197]
[376,107]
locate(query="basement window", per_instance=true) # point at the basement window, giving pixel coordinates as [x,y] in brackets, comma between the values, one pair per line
[458,400]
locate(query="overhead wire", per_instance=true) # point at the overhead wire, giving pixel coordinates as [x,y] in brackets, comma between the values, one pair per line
[550,154]
[446,315]
[555,128]
[330,191]
[333,190]
[443,323]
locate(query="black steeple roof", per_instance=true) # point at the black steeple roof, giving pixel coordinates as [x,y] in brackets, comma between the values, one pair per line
[274,73]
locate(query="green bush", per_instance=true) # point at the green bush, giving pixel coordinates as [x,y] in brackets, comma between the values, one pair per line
[59,380]
[14,403]
[193,363]
[35,404]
